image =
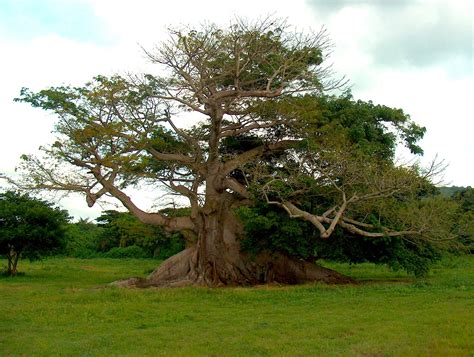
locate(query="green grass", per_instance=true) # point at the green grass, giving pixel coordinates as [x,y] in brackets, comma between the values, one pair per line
[60,307]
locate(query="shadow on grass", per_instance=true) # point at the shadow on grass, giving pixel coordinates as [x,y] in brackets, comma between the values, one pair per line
[407,280]
[6,275]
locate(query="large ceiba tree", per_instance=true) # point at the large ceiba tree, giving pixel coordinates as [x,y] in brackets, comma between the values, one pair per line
[264,131]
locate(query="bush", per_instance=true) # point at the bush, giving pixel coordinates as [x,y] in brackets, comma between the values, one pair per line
[174,244]
[132,251]
[121,229]
[82,240]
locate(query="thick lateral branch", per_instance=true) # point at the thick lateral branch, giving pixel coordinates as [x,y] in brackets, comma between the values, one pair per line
[335,222]
[170,157]
[170,223]
[318,221]
[256,152]
[295,212]
[235,186]
[353,229]
[247,94]
[234,130]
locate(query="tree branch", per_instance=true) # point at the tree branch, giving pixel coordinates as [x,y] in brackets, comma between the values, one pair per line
[256,152]
[169,223]
[235,186]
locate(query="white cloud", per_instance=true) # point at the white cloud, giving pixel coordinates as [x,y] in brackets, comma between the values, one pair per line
[146,21]
[438,102]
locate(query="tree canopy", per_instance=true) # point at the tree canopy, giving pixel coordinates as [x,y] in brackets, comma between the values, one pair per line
[266,129]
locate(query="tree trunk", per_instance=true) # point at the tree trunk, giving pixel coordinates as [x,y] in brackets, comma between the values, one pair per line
[216,260]
[12,262]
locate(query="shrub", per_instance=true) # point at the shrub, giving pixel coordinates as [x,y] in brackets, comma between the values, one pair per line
[82,239]
[166,248]
[132,251]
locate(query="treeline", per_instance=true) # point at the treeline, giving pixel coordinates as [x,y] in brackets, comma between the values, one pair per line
[464,223]
[120,235]
[451,191]
[33,228]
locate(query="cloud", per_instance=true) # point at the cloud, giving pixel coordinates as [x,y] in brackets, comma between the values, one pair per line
[424,34]
[146,21]
[410,33]
[330,7]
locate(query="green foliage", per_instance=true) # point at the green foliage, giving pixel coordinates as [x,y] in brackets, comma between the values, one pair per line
[268,229]
[82,239]
[29,228]
[263,48]
[372,129]
[355,142]
[131,251]
[239,144]
[464,225]
[171,245]
[122,230]
[415,256]
[121,235]
[365,125]
[115,139]
[465,197]
[450,191]
[271,229]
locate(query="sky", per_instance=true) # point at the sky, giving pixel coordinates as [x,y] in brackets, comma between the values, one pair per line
[411,54]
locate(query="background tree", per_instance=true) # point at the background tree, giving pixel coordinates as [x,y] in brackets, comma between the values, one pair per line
[121,230]
[464,225]
[29,228]
[82,239]
[260,134]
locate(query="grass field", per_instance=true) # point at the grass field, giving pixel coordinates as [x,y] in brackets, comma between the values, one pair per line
[60,307]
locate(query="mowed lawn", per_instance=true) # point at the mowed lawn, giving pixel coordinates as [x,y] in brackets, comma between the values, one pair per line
[62,307]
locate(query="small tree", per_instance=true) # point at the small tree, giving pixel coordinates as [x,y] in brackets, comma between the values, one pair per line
[29,228]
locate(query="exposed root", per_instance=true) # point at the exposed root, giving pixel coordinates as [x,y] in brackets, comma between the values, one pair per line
[173,272]
[287,270]
[183,269]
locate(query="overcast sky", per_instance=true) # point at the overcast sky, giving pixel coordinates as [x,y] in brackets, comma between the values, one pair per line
[412,54]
